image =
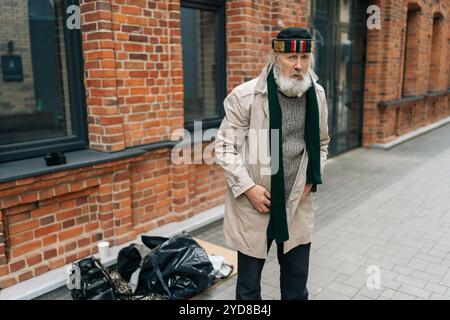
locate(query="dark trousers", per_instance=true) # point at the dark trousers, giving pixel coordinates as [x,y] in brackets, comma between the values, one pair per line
[293,274]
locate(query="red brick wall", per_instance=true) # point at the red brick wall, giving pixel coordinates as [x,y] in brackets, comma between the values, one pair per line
[386,78]
[415,53]
[54,219]
[105,120]
[132,53]
[438,59]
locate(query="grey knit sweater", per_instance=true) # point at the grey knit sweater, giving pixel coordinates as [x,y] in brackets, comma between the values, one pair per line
[293,112]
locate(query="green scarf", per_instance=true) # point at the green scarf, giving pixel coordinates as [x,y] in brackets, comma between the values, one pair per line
[278,228]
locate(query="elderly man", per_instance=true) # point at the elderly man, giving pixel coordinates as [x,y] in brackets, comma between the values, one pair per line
[280,116]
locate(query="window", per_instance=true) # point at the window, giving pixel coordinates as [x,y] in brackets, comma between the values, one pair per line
[42,99]
[203,41]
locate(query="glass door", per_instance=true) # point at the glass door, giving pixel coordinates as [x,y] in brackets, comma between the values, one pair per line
[339,29]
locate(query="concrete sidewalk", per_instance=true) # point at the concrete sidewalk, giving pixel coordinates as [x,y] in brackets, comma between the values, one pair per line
[387,210]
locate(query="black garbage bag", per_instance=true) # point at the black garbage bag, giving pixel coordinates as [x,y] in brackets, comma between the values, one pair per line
[128,261]
[179,268]
[130,257]
[89,280]
[153,241]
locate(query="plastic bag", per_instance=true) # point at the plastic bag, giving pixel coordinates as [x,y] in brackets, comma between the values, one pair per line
[179,268]
[89,280]
[221,269]
[131,257]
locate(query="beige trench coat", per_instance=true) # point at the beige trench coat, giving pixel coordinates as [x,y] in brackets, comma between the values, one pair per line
[241,147]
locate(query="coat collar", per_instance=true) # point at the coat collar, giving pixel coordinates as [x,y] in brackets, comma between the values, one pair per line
[261,84]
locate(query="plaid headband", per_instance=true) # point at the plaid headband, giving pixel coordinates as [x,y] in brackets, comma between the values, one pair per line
[293,45]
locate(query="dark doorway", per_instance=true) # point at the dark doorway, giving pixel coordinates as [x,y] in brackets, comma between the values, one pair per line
[340,52]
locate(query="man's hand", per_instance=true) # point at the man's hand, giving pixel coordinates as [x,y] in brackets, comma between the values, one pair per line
[259,197]
[306,191]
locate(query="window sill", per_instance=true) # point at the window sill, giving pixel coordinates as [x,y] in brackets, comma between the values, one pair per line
[403,100]
[26,168]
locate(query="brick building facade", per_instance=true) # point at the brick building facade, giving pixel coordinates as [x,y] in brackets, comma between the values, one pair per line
[407,70]
[134,87]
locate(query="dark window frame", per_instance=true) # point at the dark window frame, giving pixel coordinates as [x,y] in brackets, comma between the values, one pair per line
[221,87]
[78,109]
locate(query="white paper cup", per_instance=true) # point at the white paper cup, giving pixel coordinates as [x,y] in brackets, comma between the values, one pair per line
[103,250]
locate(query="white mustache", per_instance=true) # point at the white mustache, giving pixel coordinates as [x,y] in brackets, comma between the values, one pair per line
[297,75]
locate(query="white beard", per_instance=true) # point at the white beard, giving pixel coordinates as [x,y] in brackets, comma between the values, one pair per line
[291,87]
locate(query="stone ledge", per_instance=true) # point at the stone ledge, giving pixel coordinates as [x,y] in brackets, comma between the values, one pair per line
[411,134]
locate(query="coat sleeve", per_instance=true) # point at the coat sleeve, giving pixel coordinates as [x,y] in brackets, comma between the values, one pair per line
[324,137]
[230,137]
